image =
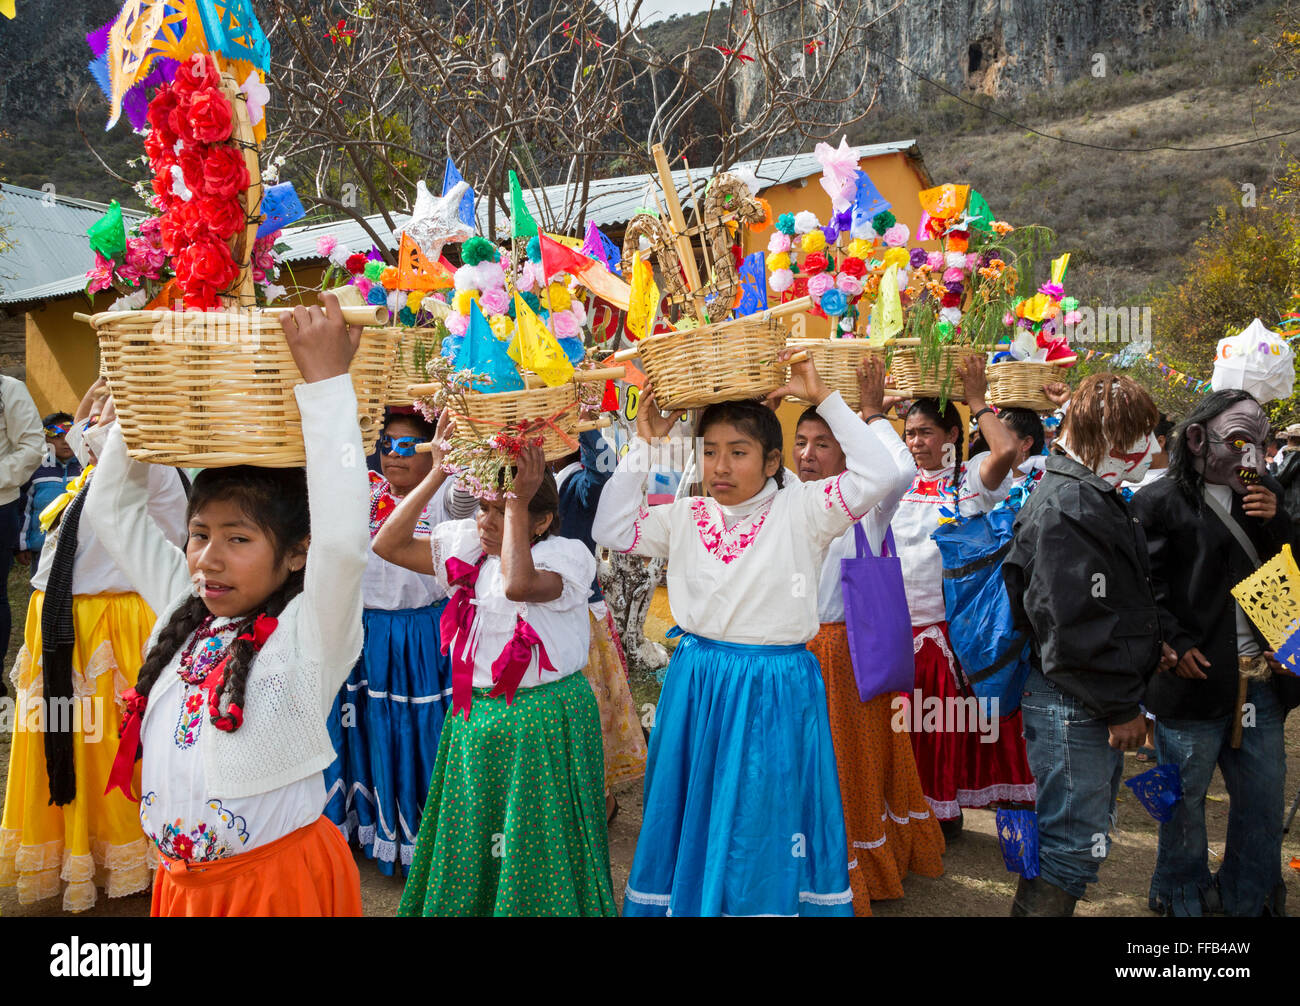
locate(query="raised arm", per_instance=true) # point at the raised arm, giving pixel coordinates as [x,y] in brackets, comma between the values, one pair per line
[1002,445]
[523,581]
[623,520]
[118,511]
[396,541]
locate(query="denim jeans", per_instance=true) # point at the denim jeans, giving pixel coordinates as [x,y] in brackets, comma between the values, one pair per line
[1078,775]
[1255,775]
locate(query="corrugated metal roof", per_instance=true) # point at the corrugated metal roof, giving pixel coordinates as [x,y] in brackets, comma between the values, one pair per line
[56,244]
[46,233]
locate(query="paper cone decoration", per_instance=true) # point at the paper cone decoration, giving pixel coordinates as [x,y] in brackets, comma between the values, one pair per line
[146,30]
[231,29]
[522,224]
[868,201]
[602,249]
[535,349]
[609,400]
[485,355]
[415,272]
[465,208]
[7,8]
[753,285]
[1258,361]
[282,207]
[944,202]
[978,213]
[108,233]
[887,312]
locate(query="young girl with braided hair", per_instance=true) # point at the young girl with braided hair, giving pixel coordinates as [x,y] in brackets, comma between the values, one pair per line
[260,623]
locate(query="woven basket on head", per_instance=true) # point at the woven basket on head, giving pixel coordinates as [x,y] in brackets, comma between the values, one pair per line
[837,362]
[1018,384]
[725,362]
[918,377]
[214,389]
[414,346]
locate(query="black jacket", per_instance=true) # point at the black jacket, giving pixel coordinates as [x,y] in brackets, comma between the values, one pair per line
[1288,476]
[1195,563]
[1079,583]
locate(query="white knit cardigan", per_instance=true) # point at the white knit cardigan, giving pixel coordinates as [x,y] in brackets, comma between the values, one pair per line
[300,669]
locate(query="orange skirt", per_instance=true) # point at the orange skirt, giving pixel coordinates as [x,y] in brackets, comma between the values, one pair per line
[309,872]
[890,828]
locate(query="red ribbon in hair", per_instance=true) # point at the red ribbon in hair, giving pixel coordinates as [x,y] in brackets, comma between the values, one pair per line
[456,622]
[510,667]
[128,745]
[233,718]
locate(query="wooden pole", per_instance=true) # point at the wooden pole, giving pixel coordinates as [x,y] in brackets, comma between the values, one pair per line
[685,250]
[242,247]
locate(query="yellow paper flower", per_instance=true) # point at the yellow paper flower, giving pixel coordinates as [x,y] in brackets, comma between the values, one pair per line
[813,241]
[463,300]
[895,256]
[502,326]
[778,260]
[414,299]
[858,248]
[558,295]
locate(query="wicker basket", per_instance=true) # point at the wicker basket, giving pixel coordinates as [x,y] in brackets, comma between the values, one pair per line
[413,344]
[837,362]
[725,362]
[1018,384]
[933,379]
[549,411]
[214,389]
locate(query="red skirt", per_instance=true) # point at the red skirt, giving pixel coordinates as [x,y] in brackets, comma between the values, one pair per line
[963,760]
[308,872]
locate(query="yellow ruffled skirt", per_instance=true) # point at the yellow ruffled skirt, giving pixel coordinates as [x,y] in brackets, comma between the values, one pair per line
[94,841]
[620,727]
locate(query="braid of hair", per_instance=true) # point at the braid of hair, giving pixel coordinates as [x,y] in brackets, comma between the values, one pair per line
[171,637]
[228,713]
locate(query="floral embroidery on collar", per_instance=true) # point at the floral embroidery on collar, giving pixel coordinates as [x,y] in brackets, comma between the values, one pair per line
[726,543]
[383,503]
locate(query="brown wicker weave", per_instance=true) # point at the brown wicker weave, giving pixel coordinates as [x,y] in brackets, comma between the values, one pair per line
[837,362]
[548,411]
[412,343]
[1018,384]
[725,362]
[935,380]
[214,389]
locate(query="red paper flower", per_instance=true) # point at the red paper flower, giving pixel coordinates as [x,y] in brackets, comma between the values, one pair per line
[210,116]
[356,263]
[854,267]
[814,263]
[194,74]
[224,217]
[172,228]
[159,115]
[225,174]
[205,264]
[951,299]
[191,161]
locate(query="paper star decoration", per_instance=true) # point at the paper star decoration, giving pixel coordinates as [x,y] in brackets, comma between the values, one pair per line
[435,220]
[257,95]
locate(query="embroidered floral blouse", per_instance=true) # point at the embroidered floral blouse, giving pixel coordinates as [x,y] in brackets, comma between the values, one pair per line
[748,573]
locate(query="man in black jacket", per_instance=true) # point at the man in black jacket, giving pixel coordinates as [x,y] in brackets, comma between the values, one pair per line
[1078,580]
[1208,525]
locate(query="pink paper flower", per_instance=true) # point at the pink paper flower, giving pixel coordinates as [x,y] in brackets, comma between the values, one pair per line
[819,284]
[457,324]
[778,243]
[848,285]
[897,236]
[494,301]
[953,276]
[325,245]
[100,274]
[935,261]
[564,325]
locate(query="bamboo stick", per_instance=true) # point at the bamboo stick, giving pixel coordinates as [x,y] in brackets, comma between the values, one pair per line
[685,250]
[366,315]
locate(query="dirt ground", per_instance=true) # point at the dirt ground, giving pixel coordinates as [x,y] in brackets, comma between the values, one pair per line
[974,881]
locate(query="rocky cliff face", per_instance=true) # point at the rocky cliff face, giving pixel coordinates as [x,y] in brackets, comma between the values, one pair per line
[1000,48]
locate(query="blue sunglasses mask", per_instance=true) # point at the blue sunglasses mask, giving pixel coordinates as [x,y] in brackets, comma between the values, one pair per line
[402,447]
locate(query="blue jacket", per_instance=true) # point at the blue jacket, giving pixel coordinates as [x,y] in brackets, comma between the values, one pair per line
[47,483]
[580,493]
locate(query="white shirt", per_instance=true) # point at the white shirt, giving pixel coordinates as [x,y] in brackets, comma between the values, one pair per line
[177,809]
[300,669]
[94,571]
[830,597]
[917,517]
[386,585]
[1154,475]
[563,625]
[748,573]
[22,438]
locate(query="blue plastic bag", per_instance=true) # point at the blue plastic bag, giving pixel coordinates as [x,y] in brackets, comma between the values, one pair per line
[1018,833]
[993,655]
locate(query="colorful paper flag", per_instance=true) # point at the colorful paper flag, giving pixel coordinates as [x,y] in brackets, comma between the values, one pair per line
[642,299]
[535,348]
[484,354]
[753,285]
[108,233]
[602,249]
[415,272]
[1058,268]
[522,224]
[556,258]
[868,200]
[465,209]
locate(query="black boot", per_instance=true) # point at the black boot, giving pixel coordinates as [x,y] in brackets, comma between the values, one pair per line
[951,828]
[1038,899]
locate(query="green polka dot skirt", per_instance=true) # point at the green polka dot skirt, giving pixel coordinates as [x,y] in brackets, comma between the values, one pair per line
[515,820]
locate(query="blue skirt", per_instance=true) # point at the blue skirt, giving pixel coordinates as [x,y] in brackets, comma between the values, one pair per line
[742,800]
[385,725]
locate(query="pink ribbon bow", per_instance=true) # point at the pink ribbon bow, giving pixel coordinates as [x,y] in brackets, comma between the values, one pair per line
[456,622]
[509,668]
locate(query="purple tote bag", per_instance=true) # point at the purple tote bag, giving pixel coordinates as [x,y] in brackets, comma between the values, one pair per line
[876,617]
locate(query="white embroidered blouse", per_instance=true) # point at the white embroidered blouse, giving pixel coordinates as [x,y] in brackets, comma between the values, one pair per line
[748,573]
[562,625]
[917,517]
